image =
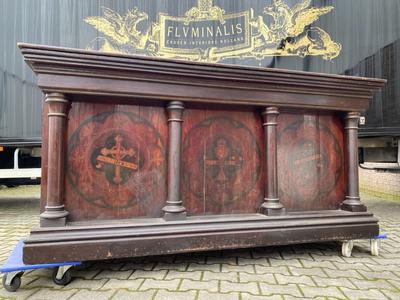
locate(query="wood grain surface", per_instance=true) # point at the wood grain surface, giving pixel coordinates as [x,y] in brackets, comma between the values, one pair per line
[116,165]
[222,161]
[311,163]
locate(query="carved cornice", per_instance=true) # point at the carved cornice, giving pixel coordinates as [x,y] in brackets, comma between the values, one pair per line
[250,85]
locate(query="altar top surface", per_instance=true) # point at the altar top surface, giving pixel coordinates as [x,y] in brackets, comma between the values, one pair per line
[84,72]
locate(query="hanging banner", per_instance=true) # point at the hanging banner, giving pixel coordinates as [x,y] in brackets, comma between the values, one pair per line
[207,33]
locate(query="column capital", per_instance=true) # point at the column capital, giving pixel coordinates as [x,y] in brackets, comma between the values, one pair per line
[58,105]
[270,115]
[352,119]
[56,97]
[175,111]
[271,110]
[353,115]
[176,105]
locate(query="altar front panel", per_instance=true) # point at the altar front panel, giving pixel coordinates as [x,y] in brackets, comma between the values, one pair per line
[222,161]
[311,163]
[116,161]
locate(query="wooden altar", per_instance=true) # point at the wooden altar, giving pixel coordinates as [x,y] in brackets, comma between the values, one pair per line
[145,156]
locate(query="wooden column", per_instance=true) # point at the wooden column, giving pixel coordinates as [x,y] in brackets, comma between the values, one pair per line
[174,209]
[55,213]
[352,201]
[271,205]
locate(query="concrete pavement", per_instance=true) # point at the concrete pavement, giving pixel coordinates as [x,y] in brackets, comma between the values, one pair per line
[312,271]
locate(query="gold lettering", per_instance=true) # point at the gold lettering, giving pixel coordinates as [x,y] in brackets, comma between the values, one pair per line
[170,28]
[195,32]
[219,32]
[210,31]
[239,28]
[176,32]
[225,31]
[185,31]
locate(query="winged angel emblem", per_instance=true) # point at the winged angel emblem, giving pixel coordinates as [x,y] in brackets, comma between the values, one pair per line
[292,33]
[288,32]
[121,32]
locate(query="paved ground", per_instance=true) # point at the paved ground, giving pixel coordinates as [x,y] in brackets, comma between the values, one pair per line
[293,272]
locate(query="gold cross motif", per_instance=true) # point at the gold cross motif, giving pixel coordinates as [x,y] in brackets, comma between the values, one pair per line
[115,156]
[223,158]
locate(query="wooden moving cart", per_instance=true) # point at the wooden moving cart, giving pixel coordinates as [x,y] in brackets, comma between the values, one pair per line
[145,156]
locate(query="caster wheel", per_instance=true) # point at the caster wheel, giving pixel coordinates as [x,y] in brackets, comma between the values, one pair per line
[347,247]
[14,284]
[375,247]
[65,279]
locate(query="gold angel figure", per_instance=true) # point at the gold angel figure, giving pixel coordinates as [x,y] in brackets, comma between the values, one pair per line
[303,15]
[120,30]
[291,29]
[291,22]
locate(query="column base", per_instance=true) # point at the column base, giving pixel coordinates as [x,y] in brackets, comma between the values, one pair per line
[174,211]
[53,216]
[59,222]
[272,208]
[353,207]
[273,212]
[353,204]
[180,216]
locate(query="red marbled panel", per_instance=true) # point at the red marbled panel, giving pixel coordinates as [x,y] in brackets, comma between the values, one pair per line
[222,162]
[116,163]
[311,173]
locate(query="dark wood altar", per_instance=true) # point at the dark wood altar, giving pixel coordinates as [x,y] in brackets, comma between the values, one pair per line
[145,156]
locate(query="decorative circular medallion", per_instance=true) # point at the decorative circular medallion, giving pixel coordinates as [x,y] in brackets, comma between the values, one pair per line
[115,160]
[310,161]
[221,161]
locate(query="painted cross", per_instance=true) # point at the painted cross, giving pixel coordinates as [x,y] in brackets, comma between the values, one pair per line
[307,154]
[115,156]
[223,158]
[315,157]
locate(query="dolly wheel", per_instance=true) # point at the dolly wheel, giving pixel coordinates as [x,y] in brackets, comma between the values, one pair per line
[375,247]
[347,247]
[13,284]
[65,279]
